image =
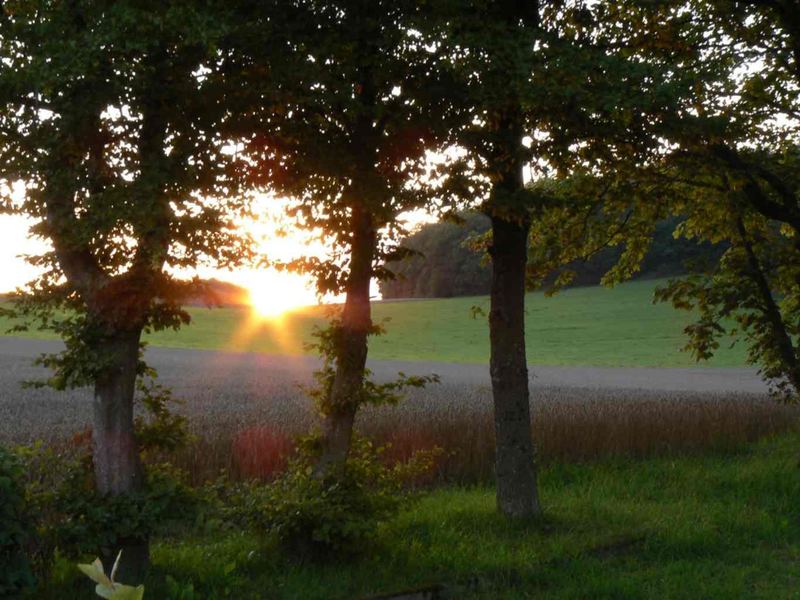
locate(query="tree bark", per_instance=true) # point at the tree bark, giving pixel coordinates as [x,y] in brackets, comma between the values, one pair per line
[351,349]
[117,466]
[515,469]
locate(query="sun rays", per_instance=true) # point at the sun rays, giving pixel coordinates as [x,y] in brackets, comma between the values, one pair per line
[272,294]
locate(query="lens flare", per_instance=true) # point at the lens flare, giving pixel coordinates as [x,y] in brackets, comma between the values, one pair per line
[273,294]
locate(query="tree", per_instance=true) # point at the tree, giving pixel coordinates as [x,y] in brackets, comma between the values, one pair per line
[492,53]
[344,137]
[549,88]
[108,115]
[734,172]
[442,263]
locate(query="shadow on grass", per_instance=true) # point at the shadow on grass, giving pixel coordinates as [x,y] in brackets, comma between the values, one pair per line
[708,526]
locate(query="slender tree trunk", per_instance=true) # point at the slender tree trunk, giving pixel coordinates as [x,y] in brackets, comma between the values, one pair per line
[117,466]
[517,494]
[782,338]
[351,349]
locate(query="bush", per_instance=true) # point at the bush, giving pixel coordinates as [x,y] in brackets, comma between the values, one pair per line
[15,528]
[338,515]
[227,503]
[90,522]
[73,518]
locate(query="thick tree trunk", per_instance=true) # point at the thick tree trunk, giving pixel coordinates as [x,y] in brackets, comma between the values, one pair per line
[517,494]
[117,467]
[515,469]
[351,350]
[337,434]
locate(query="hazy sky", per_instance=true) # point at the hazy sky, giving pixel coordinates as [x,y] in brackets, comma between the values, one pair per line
[14,241]
[294,289]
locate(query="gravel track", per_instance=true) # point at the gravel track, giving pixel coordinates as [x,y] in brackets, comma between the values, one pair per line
[238,389]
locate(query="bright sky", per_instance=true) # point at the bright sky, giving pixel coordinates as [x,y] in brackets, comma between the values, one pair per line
[14,242]
[272,292]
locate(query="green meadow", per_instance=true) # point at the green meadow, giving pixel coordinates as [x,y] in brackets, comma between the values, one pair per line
[711,526]
[591,326]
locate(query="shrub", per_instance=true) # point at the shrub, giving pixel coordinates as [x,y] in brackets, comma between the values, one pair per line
[159,429]
[73,518]
[15,528]
[337,515]
[228,503]
[90,521]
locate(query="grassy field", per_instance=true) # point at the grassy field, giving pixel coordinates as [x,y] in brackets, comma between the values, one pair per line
[713,526]
[582,326]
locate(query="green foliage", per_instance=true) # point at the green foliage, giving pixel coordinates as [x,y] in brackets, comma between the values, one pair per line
[339,514]
[326,342]
[130,174]
[106,586]
[159,429]
[16,527]
[72,517]
[530,71]
[733,173]
[231,505]
[751,296]
[180,591]
[353,116]
[449,259]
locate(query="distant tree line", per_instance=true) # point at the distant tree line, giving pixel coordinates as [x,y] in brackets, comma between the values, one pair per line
[448,260]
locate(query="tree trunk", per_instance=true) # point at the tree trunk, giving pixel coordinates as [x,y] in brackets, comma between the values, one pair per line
[351,349]
[117,466]
[781,337]
[515,470]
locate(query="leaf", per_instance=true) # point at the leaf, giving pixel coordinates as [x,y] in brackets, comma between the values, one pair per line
[127,592]
[104,591]
[96,573]
[116,566]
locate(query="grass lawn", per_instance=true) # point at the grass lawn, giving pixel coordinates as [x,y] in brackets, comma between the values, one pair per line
[582,326]
[703,527]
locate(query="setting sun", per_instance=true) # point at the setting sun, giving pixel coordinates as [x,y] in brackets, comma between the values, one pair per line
[273,294]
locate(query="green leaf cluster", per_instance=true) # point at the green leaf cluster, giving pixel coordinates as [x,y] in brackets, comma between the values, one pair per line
[72,518]
[339,514]
[16,528]
[327,342]
[733,172]
[111,121]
